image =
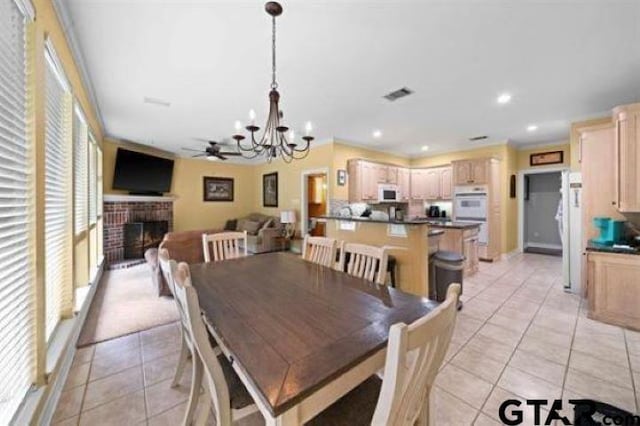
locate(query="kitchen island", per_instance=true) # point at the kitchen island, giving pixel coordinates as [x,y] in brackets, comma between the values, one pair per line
[407,241]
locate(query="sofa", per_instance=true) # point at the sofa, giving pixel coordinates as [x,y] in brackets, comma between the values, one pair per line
[263,231]
[183,246]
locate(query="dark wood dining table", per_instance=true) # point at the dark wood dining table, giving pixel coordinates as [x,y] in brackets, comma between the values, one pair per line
[299,335]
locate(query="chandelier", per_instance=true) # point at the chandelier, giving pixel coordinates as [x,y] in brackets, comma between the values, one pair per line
[277,140]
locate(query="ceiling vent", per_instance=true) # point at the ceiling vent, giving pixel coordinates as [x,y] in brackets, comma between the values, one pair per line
[156,101]
[478,138]
[397,94]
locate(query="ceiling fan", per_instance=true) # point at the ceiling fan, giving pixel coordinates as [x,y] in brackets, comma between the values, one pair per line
[212,151]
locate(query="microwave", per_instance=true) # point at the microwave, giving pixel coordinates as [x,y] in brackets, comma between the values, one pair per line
[388,193]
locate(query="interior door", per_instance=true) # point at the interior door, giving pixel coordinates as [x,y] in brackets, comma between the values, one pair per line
[565,231]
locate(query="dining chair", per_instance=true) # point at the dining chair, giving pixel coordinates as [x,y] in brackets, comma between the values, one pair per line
[224,246]
[223,388]
[415,353]
[320,250]
[364,261]
[168,267]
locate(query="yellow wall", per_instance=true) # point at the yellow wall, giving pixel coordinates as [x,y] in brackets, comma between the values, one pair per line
[524,155]
[189,210]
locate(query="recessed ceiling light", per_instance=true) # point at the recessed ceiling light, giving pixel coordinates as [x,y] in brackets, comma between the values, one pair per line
[425,148]
[504,98]
[532,128]
[377,134]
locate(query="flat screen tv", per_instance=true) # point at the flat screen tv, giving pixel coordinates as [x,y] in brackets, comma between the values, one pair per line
[141,173]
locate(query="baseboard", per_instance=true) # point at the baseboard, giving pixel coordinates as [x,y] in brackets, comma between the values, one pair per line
[54,388]
[543,246]
[509,255]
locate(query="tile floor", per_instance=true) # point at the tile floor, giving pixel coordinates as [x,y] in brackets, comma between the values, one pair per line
[519,336]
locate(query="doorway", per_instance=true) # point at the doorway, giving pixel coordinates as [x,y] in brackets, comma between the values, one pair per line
[314,202]
[542,213]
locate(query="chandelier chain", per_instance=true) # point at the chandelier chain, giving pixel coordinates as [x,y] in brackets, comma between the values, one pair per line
[274,84]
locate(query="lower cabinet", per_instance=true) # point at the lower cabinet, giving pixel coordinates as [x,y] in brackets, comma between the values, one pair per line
[613,288]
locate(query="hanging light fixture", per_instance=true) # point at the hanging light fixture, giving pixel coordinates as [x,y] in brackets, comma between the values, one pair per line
[277,140]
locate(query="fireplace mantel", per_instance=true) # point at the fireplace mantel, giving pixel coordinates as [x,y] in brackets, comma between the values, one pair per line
[118,198]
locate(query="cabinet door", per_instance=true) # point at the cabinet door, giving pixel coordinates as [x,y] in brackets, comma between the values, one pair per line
[404,183]
[369,181]
[392,175]
[380,173]
[446,183]
[418,185]
[462,172]
[432,184]
[627,157]
[479,172]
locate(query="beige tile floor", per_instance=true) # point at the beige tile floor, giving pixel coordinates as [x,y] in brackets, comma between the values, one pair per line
[519,336]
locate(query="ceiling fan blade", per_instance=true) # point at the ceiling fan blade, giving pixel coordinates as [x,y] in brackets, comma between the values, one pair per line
[198,155]
[229,153]
[194,150]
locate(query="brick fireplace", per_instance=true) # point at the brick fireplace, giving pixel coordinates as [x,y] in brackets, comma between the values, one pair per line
[122,211]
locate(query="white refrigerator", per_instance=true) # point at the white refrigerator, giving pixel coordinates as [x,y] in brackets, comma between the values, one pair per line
[572,231]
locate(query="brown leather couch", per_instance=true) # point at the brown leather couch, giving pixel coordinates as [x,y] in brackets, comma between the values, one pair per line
[183,246]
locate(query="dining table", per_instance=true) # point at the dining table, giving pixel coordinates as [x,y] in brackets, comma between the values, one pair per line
[299,335]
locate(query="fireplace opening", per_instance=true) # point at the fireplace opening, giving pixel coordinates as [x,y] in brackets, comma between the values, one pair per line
[140,236]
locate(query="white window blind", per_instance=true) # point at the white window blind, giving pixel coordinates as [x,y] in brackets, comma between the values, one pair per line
[16,218]
[80,173]
[93,181]
[57,193]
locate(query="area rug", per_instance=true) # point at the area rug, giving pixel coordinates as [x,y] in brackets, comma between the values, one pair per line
[126,302]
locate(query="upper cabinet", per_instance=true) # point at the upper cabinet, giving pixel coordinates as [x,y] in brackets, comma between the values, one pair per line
[446,183]
[469,172]
[404,183]
[627,157]
[432,184]
[365,176]
[419,184]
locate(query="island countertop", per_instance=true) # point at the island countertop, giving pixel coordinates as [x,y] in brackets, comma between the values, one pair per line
[435,223]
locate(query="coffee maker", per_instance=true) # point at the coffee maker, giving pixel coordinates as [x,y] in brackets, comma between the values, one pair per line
[434,211]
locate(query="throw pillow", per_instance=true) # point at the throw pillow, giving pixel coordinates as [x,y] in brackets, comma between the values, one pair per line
[251,227]
[240,225]
[231,225]
[267,224]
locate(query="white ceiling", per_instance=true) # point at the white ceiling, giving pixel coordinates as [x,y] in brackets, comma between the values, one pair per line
[561,60]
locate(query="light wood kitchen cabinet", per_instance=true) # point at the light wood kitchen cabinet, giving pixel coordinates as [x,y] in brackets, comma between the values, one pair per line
[392,175]
[446,183]
[380,172]
[432,184]
[419,184]
[613,288]
[404,184]
[465,242]
[363,181]
[627,157]
[469,172]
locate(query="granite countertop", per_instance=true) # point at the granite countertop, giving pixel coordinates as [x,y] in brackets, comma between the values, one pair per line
[436,222]
[610,249]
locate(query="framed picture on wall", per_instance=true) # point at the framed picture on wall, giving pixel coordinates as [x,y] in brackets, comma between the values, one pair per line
[342,177]
[546,158]
[217,189]
[270,190]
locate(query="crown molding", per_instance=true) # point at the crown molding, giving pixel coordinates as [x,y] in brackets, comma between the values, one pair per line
[62,11]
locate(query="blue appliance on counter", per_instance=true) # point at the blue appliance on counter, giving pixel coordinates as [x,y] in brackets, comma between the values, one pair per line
[611,231]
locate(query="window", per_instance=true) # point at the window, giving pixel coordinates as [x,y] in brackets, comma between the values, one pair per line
[93,194]
[16,212]
[80,174]
[58,194]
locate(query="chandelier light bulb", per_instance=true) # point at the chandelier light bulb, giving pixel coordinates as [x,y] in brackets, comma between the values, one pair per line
[238,126]
[292,135]
[308,128]
[252,116]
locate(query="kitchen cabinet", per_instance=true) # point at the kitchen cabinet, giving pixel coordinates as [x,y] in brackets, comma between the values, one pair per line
[392,175]
[613,288]
[432,184]
[468,172]
[627,157]
[404,184]
[419,184]
[465,242]
[363,181]
[446,183]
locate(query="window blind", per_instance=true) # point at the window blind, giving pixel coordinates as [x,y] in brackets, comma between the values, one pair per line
[80,173]
[93,180]
[16,214]
[57,193]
